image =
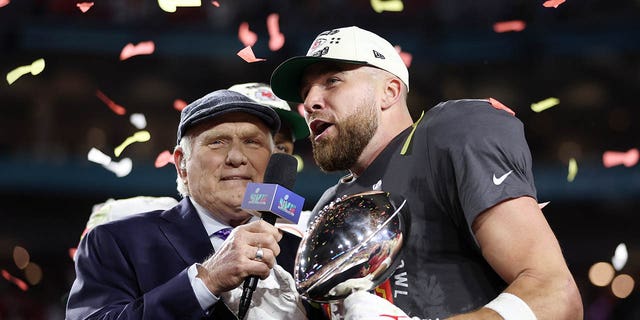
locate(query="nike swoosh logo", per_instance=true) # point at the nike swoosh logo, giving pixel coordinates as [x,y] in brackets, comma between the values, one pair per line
[498,181]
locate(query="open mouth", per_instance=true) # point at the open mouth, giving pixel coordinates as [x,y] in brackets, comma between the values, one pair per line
[318,127]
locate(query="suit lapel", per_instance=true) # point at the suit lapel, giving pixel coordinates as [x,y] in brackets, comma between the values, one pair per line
[185,232]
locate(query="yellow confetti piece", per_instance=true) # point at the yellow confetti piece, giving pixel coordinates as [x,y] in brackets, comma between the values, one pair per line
[300,162]
[140,136]
[544,104]
[573,170]
[387,5]
[170,5]
[34,68]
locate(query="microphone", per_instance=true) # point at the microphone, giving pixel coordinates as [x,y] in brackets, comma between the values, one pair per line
[272,199]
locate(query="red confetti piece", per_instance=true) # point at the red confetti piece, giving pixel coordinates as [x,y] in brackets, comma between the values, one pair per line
[498,105]
[4,3]
[84,6]
[21,284]
[247,55]
[615,158]
[215,4]
[405,56]
[552,3]
[276,39]
[72,252]
[130,50]
[163,159]
[514,25]
[246,36]
[179,104]
[118,109]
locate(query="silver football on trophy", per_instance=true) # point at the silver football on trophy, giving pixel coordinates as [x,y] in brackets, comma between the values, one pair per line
[352,244]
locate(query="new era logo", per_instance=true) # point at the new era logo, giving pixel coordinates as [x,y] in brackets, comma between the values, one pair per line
[377,54]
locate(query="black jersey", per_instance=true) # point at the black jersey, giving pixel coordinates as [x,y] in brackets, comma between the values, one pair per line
[461,158]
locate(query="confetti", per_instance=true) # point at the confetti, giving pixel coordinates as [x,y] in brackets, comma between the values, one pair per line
[276,39]
[140,136]
[179,104]
[544,104]
[573,170]
[4,3]
[97,156]
[505,26]
[72,253]
[552,3]
[498,105]
[171,5]
[620,257]
[121,168]
[21,284]
[138,120]
[300,166]
[164,158]
[544,204]
[215,4]
[246,36]
[21,257]
[130,50]
[34,68]
[247,55]
[387,5]
[405,56]
[84,6]
[615,158]
[116,108]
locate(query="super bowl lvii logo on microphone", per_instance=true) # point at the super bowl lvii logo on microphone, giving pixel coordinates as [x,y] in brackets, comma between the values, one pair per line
[286,206]
[258,198]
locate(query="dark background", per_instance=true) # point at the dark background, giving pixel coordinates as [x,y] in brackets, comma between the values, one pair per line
[585,53]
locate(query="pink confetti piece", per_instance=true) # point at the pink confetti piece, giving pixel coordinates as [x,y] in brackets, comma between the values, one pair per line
[615,158]
[21,284]
[552,3]
[215,4]
[130,50]
[84,6]
[164,158]
[498,105]
[543,204]
[405,56]
[301,109]
[4,3]
[116,108]
[72,252]
[276,39]
[247,55]
[179,104]
[505,26]
[246,36]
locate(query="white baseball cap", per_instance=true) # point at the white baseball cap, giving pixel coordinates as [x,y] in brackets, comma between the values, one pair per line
[261,93]
[350,45]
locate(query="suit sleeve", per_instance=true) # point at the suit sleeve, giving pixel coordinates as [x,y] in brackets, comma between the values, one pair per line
[106,286]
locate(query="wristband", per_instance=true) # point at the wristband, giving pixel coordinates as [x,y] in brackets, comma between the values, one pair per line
[510,307]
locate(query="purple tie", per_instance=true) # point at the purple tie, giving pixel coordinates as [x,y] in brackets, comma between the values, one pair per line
[222,233]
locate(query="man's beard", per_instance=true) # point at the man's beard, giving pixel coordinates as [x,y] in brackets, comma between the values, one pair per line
[354,133]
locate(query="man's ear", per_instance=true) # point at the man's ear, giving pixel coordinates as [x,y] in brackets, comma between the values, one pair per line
[180,162]
[392,92]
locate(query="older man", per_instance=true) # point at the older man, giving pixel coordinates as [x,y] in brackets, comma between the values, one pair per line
[176,264]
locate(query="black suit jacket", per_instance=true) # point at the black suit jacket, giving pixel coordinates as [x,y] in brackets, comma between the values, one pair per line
[136,268]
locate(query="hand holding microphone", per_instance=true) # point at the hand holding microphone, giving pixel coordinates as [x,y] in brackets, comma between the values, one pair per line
[272,199]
